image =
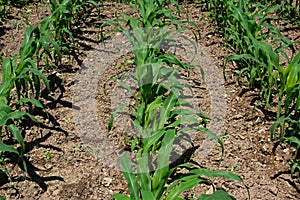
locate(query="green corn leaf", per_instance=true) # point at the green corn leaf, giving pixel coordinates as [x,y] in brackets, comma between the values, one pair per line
[25,64]
[202,115]
[120,197]
[253,76]
[291,97]
[42,76]
[130,177]
[279,121]
[294,140]
[182,102]
[165,71]
[214,174]
[37,85]
[180,112]
[211,134]
[244,57]
[143,173]
[15,116]
[6,88]
[5,147]
[27,48]
[32,101]
[5,108]
[45,41]
[292,73]
[152,109]
[185,178]
[153,140]
[92,2]
[272,56]
[168,105]
[217,195]
[147,195]
[184,119]
[182,187]
[297,104]
[294,167]
[7,70]
[242,19]
[112,118]
[18,136]
[160,176]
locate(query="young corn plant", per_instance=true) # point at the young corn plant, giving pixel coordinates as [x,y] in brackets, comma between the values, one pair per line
[219,12]
[23,78]
[4,5]
[256,59]
[152,78]
[247,32]
[39,45]
[145,184]
[289,119]
[290,9]
[64,14]
[160,112]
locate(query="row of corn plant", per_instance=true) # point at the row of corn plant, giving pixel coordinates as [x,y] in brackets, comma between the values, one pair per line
[247,32]
[5,6]
[22,75]
[290,9]
[21,85]
[158,114]
[3,9]
[65,14]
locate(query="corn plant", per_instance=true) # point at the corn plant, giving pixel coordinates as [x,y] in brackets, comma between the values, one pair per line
[290,9]
[150,74]
[289,119]
[247,32]
[21,81]
[63,16]
[146,185]
[158,114]
[38,44]
[3,9]
[17,76]
[219,12]
[256,59]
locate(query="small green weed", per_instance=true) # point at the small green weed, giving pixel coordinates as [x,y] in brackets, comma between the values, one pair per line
[47,155]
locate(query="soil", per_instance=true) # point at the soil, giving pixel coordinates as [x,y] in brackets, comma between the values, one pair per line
[64,165]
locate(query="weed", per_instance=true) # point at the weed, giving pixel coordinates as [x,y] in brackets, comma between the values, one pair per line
[47,155]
